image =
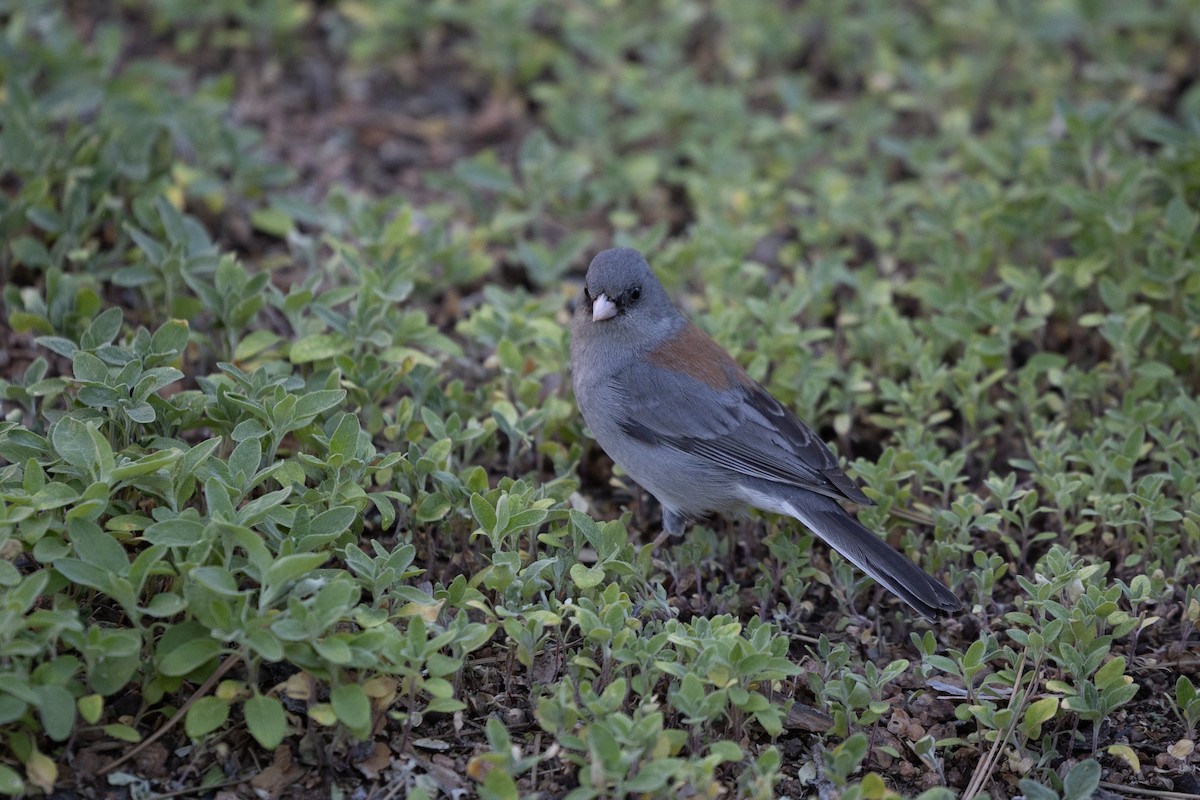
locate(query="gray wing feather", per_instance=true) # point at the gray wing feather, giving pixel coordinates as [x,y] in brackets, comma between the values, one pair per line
[743,429]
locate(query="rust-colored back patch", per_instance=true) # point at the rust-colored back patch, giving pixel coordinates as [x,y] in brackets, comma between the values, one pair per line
[693,353]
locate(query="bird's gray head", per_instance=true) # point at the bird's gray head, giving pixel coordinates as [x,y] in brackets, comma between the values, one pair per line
[622,299]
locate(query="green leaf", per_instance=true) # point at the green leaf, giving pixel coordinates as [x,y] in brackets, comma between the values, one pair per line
[248,429]
[117,663]
[170,338]
[11,576]
[255,343]
[272,221]
[1180,221]
[88,368]
[498,785]
[653,776]
[586,526]
[34,479]
[854,749]
[1038,713]
[1118,695]
[196,456]
[56,344]
[1185,691]
[123,733]
[433,507]
[10,781]
[725,751]
[529,518]
[12,708]
[333,522]
[254,511]
[334,650]
[175,532]
[313,403]
[98,548]
[319,346]
[1112,673]
[484,512]
[146,465]
[266,644]
[217,579]
[587,577]
[173,222]
[80,445]
[445,705]
[188,657]
[1082,781]
[353,708]
[103,330]
[289,568]
[84,574]
[53,495]
[90,707]
[603,747]
[165,604]
[104,453]
[56,709]
[484,173]
[942,663]
[344,441]
[266,720]
[244,461]
[205,716]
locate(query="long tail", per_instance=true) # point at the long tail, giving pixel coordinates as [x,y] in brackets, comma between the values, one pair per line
[873,555]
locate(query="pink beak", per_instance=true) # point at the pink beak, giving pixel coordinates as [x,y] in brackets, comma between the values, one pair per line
[603,308]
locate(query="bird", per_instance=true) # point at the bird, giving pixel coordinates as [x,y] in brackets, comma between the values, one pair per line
[685,421]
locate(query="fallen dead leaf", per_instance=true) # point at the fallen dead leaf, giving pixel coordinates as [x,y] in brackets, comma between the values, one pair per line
[373,765]
[273,781]
[1182,749]
[151,761]
[448,780]
[805,718]
[431,744]
[300,686]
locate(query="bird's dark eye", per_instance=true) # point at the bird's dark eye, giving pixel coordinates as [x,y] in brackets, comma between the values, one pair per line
[586,294]
[635,294]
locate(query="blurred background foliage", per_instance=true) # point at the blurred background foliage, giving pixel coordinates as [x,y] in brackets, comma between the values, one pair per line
[288,459]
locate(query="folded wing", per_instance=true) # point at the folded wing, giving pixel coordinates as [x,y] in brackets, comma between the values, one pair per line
[738,425]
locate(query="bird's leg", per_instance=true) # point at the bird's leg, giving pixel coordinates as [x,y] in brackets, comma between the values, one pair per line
[673,525]
[735,532]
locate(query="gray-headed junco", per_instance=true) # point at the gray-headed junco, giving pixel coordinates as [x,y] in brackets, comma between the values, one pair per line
[685,421]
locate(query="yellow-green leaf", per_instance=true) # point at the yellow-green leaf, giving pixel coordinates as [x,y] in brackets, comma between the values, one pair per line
[205,716]
[587,577]
[1126,754]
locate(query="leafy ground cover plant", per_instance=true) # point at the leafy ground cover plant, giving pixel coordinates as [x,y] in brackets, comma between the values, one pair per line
[293,493]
